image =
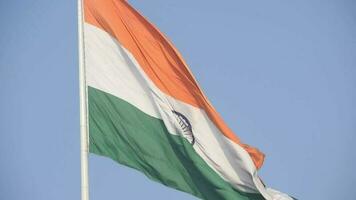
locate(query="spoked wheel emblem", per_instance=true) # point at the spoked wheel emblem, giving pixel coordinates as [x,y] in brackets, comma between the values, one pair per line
[186,126]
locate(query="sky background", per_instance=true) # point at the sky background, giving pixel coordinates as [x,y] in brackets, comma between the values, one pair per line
[281,73]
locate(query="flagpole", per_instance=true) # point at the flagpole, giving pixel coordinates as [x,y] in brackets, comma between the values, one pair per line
[84,139]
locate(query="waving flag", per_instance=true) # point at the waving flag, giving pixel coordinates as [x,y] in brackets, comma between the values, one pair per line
[146,110]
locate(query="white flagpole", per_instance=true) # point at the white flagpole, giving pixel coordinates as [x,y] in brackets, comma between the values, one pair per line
[84,139]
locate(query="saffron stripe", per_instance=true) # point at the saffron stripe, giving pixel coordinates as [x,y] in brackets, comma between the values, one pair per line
[158,58]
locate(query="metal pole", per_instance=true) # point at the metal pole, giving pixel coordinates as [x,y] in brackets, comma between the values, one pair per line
[84,144]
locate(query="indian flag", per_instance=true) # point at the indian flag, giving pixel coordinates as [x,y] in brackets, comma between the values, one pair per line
[146,110]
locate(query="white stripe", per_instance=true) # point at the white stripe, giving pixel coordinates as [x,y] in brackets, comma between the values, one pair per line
[112,69]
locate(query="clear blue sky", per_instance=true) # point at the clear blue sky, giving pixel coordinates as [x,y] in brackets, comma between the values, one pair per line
[281,73]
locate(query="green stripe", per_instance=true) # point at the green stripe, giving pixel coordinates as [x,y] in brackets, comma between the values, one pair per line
[122,132]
